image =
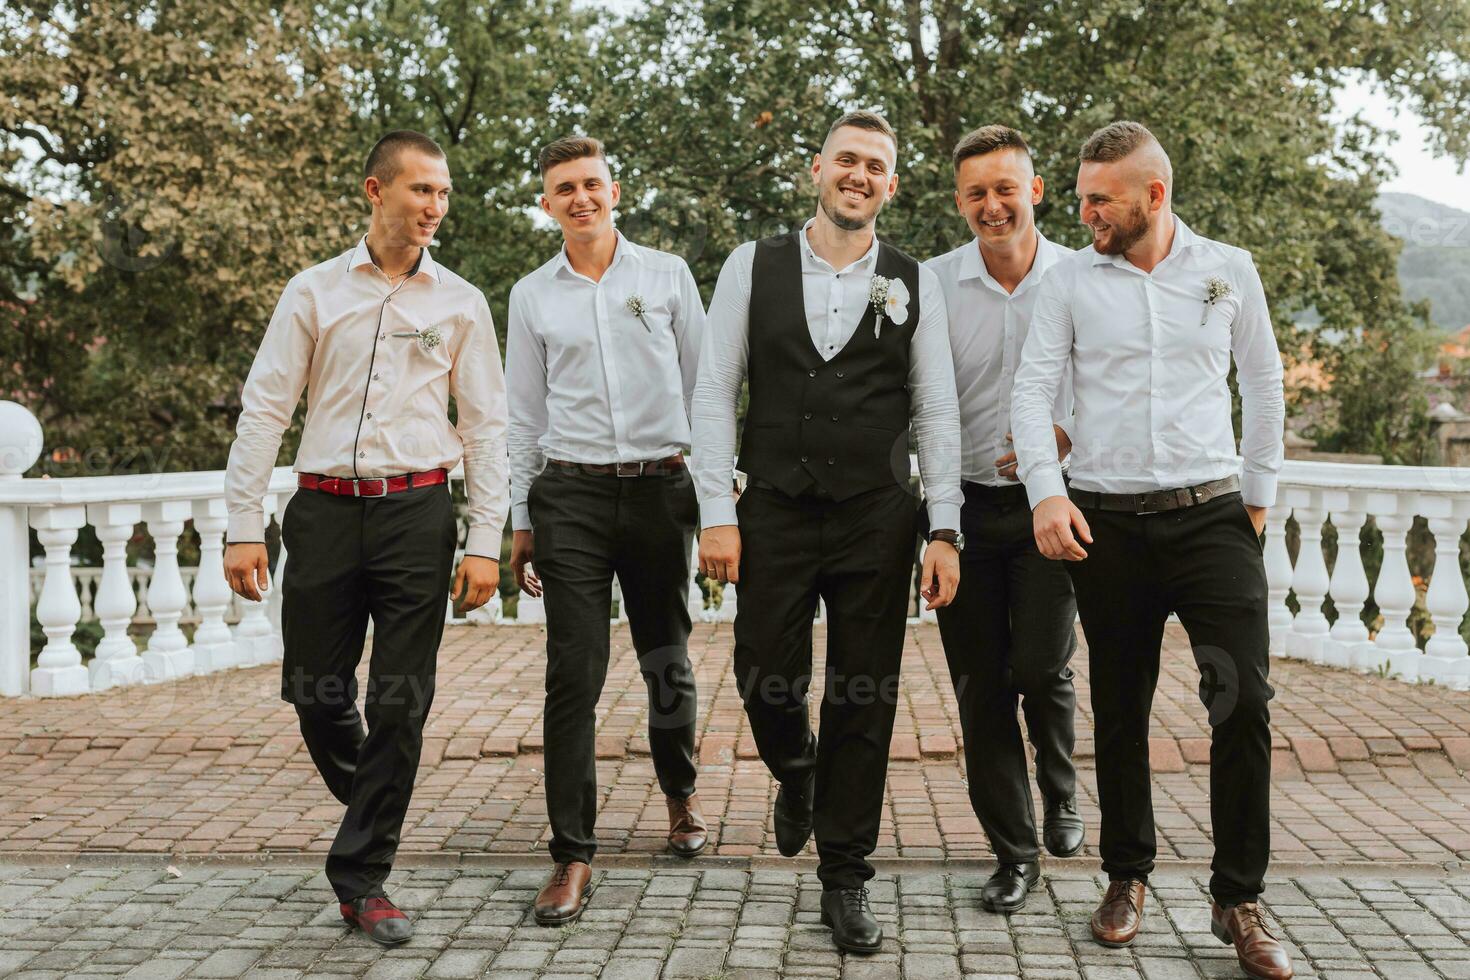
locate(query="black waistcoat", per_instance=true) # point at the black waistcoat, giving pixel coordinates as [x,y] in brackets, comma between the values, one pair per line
[841,425]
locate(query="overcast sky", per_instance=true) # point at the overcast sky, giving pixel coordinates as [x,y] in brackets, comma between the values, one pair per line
[1419,171]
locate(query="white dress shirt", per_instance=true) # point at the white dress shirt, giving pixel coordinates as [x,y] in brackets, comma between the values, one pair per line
[987,327]
[1149,357]
[589,382]
[835,300]
[377,404]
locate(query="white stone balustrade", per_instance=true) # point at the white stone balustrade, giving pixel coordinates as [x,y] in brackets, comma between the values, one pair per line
[142,608]
[1392,497]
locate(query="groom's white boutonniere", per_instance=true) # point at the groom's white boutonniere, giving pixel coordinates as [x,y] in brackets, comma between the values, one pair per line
[429,340]
[1216,289]
[638,307]
[890,297]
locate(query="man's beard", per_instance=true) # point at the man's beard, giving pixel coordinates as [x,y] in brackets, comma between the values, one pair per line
[846,222]
[1125,236]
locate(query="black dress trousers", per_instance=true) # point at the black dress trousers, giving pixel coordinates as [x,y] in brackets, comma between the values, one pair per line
[1203,563]
[856,555]
[348,559]
[1010,634]
[589,527]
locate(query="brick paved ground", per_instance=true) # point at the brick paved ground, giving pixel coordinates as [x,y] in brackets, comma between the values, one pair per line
[98,794]
[1366,769]
[263,924]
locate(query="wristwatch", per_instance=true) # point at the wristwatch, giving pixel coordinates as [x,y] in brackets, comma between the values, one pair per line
[955,538]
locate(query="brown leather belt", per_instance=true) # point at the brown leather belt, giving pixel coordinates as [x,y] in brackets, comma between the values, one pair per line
[1155,500]
[653,467]
[371,486]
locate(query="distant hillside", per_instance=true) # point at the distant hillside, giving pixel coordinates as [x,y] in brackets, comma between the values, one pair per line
[1435,264]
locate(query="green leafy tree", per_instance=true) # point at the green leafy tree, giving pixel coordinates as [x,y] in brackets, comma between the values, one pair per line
[169,165]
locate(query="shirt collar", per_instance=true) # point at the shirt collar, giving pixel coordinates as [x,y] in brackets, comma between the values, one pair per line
[625,249]
[972,265]
[869,258]
[425,266]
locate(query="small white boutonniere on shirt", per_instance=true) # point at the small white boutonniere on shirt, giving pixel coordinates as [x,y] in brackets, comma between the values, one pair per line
[1216,289]
[890,297]
[429,340]
[638,307]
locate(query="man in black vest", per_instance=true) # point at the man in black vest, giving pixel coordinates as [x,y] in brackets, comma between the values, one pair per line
[844,341]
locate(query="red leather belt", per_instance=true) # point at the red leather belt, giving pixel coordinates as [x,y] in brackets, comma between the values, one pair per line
[372,486]
[652,467]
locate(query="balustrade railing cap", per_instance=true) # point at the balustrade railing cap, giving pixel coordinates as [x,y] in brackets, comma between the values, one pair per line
[1452,480]
[129,488]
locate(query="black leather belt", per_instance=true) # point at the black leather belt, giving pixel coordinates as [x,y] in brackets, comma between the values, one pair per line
[1011,493]
[653,467]
[1155,501]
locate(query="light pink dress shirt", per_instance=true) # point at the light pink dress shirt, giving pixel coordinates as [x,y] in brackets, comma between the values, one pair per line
[377,398]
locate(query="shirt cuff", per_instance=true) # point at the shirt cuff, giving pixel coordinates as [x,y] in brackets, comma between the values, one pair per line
[520,516]
[943,516]
[483,542]
[245,529]
[718,512]
[1045,482]
[1258,489]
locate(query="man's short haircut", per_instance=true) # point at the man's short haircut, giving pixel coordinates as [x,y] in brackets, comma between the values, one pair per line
[382,162]
[862,119]
[989,139]
[567,148]
[1115,141]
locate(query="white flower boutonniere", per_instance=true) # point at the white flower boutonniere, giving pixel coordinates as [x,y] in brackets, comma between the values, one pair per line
[890,297]
[638,307]
[1216,289]
[429,340]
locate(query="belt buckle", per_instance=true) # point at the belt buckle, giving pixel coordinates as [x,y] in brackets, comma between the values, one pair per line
[357,486]
[628,469]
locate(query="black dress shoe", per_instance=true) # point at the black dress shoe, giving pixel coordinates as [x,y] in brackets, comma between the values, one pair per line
[1007,889]
[847,913]
[793,816]
[1061,828]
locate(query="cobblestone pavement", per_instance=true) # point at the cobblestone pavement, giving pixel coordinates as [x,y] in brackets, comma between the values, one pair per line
[1365,769]
[728,924]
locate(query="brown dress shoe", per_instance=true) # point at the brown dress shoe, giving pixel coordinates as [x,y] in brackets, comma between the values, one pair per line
[688,833]
[561,900]
[1116,921]
[1260,955]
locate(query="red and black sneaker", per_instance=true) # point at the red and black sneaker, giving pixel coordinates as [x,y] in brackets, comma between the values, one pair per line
[379,918]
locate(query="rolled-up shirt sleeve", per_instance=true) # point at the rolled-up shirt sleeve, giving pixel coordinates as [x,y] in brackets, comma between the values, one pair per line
[1258,373]
[477,382]
[722,366]
[1045,358]
[934,409]
[267,402]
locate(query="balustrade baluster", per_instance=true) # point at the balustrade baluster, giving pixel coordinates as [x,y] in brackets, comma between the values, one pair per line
[168,655]
[214,646]
[1446,658]
[116,661]
[1278,577]
[59,669]
[1349,582]
[1309,579]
